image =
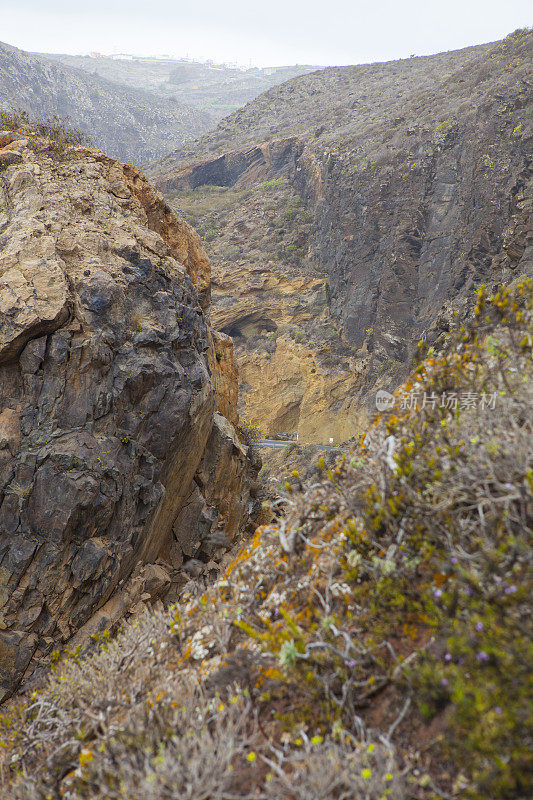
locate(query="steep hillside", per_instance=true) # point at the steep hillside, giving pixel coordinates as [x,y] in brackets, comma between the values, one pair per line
[119,459]
[343,99]
[357,204]
[373,643]
[214,88]
[130,124]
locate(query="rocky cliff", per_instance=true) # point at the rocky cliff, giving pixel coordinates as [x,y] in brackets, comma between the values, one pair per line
[132,124]
[358,209]
[117,399]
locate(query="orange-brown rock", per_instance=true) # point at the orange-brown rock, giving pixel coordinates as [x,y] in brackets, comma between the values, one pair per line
[296,375]
[224,373]
[289,391]
[181,238]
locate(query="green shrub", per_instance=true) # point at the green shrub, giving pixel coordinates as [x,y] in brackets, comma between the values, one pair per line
[290,214]
[56,129]
[290,448]
[250,432]
[275,183]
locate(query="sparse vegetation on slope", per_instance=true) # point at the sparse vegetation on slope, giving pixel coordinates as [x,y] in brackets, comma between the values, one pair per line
[54,130]
[130,124]
[372,643]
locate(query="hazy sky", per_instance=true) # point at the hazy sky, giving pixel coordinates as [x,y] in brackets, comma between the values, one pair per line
[270,32]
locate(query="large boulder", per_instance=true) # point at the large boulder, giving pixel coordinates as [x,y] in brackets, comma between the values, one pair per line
[222,495]
[107,395]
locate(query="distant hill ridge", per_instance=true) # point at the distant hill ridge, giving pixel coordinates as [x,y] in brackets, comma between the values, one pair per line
[133,125]
[214,88]
[361,93]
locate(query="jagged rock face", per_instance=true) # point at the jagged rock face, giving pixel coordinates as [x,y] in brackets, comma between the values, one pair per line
[412,172]
[236,168]
[295,372]
[107,399]
[279,324]
[219,501]
[224,374]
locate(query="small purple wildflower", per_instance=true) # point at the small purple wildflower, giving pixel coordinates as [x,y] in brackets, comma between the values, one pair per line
[448,657]
[482,656]
[498,710]
[511,589]
[351,663]
[445,681]
[437,593]
[454,559]
[509,486]
[479,626]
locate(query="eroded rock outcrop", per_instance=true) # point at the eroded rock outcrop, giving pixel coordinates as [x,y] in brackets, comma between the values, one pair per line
[109,400]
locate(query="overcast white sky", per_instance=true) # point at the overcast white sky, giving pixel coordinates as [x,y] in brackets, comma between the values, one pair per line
[270,32]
